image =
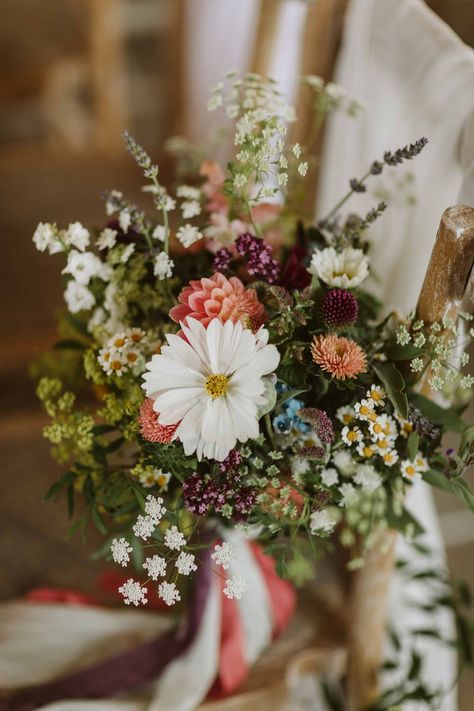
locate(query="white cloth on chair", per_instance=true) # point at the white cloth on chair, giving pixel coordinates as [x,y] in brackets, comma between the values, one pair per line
[415,78]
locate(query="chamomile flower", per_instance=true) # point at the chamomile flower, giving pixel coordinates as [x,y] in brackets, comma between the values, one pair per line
[345,414]
[350,435]
[376,395]
[364,410]
[390,457]
[383,445]
[406,427]
[376,429]
[366,450]
[409,470]
[421,463]
[389,426]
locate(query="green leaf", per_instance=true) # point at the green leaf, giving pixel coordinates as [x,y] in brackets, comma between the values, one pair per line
[412,445]
[394,384]
[70,500]
[441,416]
[400,522]
[290,394]
[98,521]
[58,485]
[458,486]
[103,429]
[397,352]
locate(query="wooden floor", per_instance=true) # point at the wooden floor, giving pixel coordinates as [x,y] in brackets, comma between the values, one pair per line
[39,186]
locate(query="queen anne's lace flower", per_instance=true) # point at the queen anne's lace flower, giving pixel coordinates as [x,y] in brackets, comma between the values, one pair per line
[133,593]
[185,563]
[155,567]
[154,508]
[121,550]
[163,267]
[188,235]
[144,527]
[235,587]
[174,539]
[223,554]
[169,593]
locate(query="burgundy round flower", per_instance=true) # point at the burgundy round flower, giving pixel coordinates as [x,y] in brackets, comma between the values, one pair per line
[339,308]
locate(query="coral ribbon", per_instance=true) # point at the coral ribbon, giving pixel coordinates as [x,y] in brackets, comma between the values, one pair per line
[126,670]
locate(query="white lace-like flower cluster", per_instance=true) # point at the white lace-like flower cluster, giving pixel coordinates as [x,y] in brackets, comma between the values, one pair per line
[156,566]
[441,351]
[125,351]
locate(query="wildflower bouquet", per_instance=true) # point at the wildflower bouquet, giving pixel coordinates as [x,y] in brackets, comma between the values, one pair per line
[224,366]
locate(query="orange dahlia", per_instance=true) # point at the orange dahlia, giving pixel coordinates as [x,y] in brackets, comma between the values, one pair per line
[342,357]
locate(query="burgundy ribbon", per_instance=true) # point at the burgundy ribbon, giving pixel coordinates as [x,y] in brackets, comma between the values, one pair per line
[126,670]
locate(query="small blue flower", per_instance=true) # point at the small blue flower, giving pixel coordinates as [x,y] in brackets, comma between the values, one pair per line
[282,423]
[281,387]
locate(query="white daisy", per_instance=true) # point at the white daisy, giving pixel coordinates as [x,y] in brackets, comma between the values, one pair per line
[345,414]
[212,384]
[410,470]
[390,458]
[346,269]
[350,435]
[421,463]
[365,410]
[366,449]
[377,395]
[406,427]
[376,429]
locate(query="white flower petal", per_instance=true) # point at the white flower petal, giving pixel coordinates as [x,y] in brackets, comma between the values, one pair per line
[173,405]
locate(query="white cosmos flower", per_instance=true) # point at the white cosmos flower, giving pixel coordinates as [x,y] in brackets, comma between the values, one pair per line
[346,269]
[212,384]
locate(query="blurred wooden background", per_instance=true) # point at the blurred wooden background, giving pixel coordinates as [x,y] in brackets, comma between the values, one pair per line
[73,74]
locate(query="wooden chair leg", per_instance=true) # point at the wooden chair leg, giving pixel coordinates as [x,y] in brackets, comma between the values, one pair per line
[369,610]
[443,289]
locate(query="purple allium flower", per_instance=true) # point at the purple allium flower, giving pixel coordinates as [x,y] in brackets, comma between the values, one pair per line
[339,308]
[222,260]
[259,257]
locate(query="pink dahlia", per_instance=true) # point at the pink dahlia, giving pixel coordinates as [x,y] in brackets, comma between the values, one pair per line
[342,357]
[219,297]
[150,428]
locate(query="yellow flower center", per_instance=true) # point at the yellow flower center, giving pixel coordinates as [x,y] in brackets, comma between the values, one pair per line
[383,444]
[388,457]
[131,357]
[372,416]
[410,470]
[347,418]
[377,428]
[119,342]
[217,385]
[352,435]
[115,365]
[368,452]
[364,410]
[375,395]
[407,426]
